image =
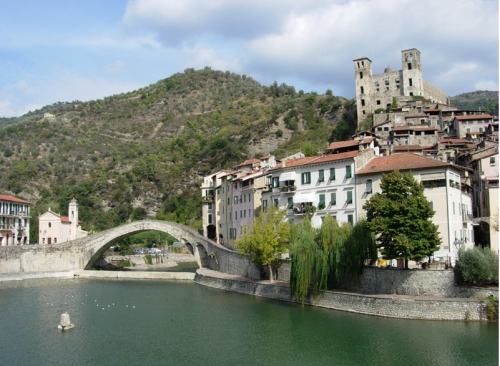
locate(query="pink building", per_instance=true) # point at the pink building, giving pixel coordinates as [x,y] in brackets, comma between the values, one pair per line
[54,228]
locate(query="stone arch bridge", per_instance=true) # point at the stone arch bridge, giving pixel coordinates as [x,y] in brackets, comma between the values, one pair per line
[83,253]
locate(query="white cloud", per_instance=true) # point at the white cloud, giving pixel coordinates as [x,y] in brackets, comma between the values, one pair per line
[486,85]
[208,57]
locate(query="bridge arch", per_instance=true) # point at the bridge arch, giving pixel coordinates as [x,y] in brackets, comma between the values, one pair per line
[96,245]
[81,253]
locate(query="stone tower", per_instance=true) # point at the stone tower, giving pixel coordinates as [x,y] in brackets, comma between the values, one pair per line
[73,217]
[362,75]
[412,83]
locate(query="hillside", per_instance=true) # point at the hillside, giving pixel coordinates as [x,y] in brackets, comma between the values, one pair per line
[481,100]
[144,152]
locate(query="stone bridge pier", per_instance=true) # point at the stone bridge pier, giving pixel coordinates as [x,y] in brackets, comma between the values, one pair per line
[83,253]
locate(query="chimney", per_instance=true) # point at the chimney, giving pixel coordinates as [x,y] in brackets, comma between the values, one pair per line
[283,163]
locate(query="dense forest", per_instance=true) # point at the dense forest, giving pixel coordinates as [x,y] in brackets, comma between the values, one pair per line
[144,153]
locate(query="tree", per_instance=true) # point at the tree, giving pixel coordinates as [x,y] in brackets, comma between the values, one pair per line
[340,133]
[319,257]
[267,240]
[400,216]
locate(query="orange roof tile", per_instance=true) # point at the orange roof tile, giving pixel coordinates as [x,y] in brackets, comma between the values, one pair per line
[473,116]
[316,159]
[65,219]
[342,144]
[402,162]
[4,197]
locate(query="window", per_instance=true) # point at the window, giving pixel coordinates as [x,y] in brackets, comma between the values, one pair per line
[333,198]
[264,205]
[492,160]
[275,202]
[349,197]
[386,128]
[361,75]
[321,175]
[236,215]
[306,178]
[210,206]
[362,90]
[409,66]
[332,173]
[228,201]
[410,81]
[348,173]
[210,221]
[321,204]
[368,189]
[362,102]
[235,199]
[276,182]
[378,102]
[290,203]
[350,219]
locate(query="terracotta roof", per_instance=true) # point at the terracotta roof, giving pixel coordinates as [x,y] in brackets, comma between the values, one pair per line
[453,141]
[342,144]
[402,162]
[402,148]
[248,162]
[65,219]
[316,159]
[4,197]
[473,116]
[424,128]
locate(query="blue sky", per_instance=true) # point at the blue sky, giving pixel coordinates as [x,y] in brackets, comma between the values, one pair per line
[60,50]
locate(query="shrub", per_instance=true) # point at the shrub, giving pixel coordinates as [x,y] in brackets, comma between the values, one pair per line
[477,266]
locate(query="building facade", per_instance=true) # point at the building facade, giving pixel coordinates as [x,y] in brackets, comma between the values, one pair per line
[54,228]
[443,187]
[15,215]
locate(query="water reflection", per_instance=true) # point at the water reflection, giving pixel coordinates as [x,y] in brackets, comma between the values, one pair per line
[155,322]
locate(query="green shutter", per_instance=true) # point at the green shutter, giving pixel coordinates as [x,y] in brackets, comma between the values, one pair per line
[332,173]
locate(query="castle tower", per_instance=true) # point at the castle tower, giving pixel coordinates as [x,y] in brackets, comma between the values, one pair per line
[362,75]
[73,217]
[412,83]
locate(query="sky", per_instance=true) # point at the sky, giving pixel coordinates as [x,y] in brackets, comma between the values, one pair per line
[61,51]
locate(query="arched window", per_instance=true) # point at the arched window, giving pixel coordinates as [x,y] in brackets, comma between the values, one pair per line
[368,189]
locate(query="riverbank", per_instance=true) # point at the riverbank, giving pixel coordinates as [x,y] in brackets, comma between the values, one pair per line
[391,306]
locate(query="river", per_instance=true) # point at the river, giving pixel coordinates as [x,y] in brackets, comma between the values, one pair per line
[124,322]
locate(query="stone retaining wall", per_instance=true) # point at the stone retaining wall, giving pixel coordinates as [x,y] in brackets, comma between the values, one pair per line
[382,305]
[411,282]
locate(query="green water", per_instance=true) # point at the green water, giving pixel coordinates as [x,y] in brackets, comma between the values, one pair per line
[122,322]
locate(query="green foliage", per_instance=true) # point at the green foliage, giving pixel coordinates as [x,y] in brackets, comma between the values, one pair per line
[401,217]
[341,132]
[151,145]
[480,100]
[148,259]
[320,257]
[267,240]
[492,308]
[477,266]
[303,257]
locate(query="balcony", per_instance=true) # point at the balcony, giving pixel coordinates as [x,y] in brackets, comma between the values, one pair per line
[208,199]
[288,189]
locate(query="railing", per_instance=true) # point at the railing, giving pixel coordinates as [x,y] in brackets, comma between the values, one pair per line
[288,189]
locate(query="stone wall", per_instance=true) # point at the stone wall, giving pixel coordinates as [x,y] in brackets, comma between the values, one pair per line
[411,282]
[394,306]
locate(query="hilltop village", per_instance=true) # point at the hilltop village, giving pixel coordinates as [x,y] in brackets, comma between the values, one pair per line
[452,152]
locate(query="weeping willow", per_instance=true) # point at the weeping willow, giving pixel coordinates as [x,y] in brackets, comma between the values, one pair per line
[327,254]
[303,250]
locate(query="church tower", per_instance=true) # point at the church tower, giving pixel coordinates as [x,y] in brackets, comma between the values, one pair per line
[73,218]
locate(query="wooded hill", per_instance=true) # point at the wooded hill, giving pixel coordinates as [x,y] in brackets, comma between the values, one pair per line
[144,153]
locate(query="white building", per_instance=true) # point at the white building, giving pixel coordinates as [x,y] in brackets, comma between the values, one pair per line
[320,185]
[443,188]
[15,218]
[54,228]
